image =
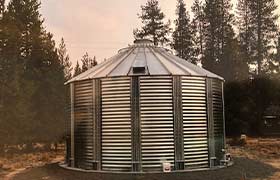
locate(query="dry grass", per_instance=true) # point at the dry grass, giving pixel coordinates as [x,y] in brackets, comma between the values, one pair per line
[11,164]
[258,148]
[266,150]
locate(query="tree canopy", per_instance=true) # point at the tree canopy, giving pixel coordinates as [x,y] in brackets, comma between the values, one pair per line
[32,77]
[183,36]
[154,27]
[257,31]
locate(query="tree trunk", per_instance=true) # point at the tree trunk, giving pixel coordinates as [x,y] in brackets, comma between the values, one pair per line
[259,45]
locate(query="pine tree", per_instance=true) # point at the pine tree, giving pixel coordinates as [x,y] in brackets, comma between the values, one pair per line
[3,89]
[2,40]
[33,77]
[17,91]
[182,36]
[77,70]
[265,29]
[218,34]
[65,60]
[2,7]
[88,62]
[198,25]
[257,31]
[234,66]
[245,29]
[154,27]
[93,62]
[52,78]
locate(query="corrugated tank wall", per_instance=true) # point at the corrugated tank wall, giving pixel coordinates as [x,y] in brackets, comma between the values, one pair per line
[218,117]
[133,123]
[83,116]
[195,122]
[116,124]
[156,122]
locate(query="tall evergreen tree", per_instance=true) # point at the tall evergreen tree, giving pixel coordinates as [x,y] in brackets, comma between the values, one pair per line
[77,70]
[257,30]
[2,76]
[245,29]
[218,34]
[198,25]
[17,90]
[88,62]
[93,62]
[265,29]
[65,60]
[33,78]
[182,36]
[234,66]
[154,27]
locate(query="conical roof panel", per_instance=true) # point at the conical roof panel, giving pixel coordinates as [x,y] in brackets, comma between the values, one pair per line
[143,58]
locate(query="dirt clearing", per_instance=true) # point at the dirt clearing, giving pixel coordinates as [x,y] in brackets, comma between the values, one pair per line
[12,164]
[259,159]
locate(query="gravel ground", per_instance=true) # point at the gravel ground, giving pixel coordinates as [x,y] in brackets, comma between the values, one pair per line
[243,168]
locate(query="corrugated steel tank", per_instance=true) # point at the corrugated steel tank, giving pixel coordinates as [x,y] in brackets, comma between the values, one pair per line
[142,108]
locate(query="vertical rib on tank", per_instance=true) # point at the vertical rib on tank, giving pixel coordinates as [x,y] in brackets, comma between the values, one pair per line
[142,108]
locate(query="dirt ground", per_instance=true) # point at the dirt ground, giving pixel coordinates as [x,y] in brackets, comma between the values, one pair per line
[12,164]
[259,159]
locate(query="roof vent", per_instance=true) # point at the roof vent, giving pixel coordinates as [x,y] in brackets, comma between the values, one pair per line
[143,41]
[139,66]
[139,70]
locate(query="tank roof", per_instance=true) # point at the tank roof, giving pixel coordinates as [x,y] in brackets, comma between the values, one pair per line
[143,58]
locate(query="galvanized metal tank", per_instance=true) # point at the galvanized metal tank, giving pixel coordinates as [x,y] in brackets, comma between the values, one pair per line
[145,107]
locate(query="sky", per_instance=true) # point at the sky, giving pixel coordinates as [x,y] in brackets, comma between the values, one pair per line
[99,27]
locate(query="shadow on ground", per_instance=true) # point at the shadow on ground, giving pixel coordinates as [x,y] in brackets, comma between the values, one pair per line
[251,169]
